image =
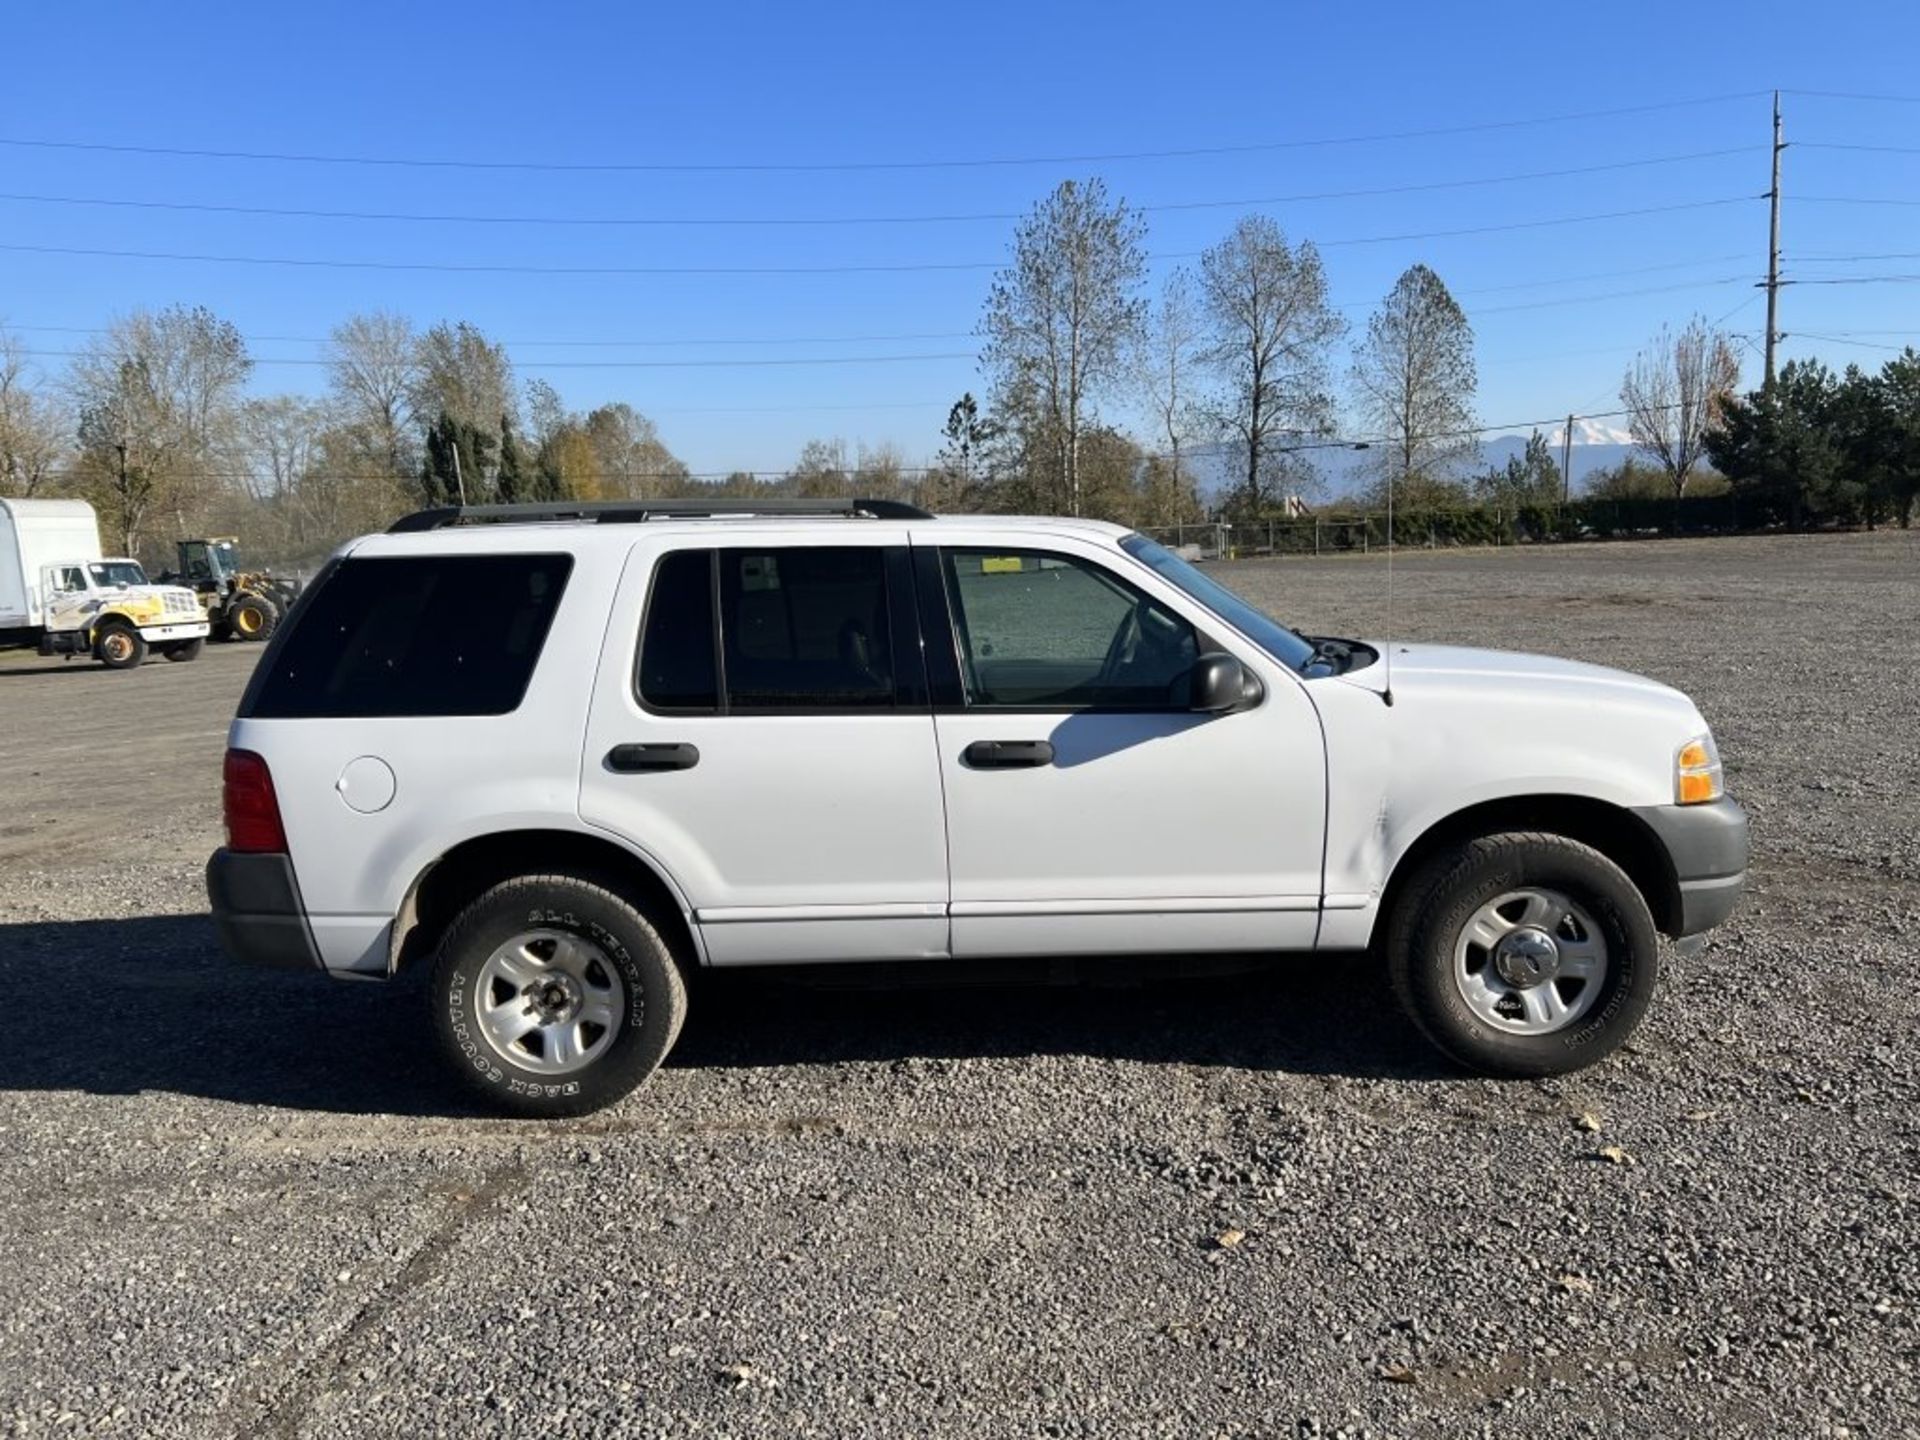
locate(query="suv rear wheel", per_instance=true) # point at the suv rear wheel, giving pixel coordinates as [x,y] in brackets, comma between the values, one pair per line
[1523,954]
[553,995]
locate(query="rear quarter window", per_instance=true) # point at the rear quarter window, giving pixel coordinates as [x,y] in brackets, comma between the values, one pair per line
[414,635]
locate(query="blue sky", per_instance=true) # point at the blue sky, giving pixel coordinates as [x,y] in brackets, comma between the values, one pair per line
[895,85]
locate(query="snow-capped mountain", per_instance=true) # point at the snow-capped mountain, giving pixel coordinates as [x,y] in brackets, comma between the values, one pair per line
[1585,432]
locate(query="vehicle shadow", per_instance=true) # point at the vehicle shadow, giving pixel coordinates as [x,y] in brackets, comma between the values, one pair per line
[151,1004]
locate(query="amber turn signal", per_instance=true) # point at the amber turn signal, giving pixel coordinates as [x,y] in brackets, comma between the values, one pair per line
[1697,776]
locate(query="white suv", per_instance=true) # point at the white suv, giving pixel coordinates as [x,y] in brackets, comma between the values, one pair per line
[567,755]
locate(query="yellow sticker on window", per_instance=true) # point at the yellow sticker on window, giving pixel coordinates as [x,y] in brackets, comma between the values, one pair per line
[999,564]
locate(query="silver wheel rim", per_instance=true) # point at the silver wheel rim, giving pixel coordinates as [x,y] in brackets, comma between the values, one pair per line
[549,1001]
[1530,962]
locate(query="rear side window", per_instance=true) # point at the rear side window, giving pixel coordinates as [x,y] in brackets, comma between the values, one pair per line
[806,628]
[802,628]
[420,635]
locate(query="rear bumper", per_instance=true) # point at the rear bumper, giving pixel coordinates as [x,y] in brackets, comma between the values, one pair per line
[257,911]
[1708,847]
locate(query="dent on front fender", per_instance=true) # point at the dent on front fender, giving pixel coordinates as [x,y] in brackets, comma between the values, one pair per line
[1394,774]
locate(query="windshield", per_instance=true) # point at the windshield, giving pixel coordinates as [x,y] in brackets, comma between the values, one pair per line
[109,573]
[1269,634]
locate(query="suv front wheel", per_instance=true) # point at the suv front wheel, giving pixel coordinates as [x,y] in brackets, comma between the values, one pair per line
[1523,954]
[553,995]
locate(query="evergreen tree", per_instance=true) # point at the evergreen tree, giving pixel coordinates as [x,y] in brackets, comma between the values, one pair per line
[513,484]
[456,463]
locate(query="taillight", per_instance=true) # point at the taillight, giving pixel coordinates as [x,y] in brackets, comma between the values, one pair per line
[252,810]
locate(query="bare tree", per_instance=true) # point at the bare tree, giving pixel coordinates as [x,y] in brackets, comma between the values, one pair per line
[1673,393]
[373,371]
[280,436]
[466,377]
[158,398]
[1061,319]
[1167,357]
[34,426]
[1416,377]
[1270,331]
[634,462]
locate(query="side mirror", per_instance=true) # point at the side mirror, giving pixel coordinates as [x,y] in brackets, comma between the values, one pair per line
[1221,683]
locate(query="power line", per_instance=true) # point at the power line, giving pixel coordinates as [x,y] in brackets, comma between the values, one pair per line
[1857,280]
[612,364]
[1591,275]
[1329,443]
[574,344]
[1850,95]
[1856,259]
[735,167]
[816,359]
[1610,295]
[1876,149]
[1855,200]
[762,221]
[438,266]
[1842,340]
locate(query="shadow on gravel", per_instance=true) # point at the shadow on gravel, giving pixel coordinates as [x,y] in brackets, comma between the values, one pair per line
[160,1008]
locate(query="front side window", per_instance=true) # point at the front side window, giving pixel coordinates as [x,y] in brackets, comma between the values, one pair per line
[69,578]
[1056,632]
[800,628]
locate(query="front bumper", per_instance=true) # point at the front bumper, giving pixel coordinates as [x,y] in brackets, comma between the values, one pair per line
[1708,847]
[185,630]
[257,911]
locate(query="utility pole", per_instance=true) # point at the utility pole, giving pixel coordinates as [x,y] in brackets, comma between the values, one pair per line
[1566,463]
[1773,247]
[458,479]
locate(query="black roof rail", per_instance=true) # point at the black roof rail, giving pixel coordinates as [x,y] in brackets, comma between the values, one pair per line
[634,512]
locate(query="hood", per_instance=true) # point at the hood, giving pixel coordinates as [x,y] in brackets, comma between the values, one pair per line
[139,603]
[1451,663]
[1516,679]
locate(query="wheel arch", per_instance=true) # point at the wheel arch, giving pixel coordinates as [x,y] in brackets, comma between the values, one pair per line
[1613,830]
[446,885]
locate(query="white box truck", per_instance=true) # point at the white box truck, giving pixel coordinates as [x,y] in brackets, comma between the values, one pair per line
[59,594]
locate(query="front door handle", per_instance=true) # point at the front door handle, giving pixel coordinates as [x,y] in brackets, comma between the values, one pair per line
[1007,754]
[638,759]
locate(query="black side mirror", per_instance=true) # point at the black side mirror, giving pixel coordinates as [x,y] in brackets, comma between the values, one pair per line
[1221,683]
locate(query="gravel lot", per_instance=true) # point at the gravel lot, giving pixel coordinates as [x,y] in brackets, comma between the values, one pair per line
[243,1204]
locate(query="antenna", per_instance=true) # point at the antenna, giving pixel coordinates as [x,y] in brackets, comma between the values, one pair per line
[1387,639]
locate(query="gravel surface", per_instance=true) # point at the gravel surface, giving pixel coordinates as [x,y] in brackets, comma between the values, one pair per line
[248,1204]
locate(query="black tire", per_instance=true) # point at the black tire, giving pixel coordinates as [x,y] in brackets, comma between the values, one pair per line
[184,649]
[118,646]
[252,617]
[655,992]
[1434,909]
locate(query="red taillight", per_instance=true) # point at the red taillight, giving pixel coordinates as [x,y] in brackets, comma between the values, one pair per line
[252,810]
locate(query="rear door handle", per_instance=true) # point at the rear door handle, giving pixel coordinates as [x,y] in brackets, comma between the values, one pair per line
[1007,754]
[637,759]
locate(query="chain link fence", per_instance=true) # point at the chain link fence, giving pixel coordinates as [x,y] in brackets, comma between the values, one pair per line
[1360,533]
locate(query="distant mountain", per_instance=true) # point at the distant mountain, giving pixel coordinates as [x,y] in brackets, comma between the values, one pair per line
[1596,447]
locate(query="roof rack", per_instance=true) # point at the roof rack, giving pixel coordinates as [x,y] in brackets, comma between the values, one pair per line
[634,512]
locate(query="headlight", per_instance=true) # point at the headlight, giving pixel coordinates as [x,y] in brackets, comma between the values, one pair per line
[1697,777]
